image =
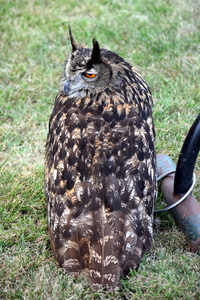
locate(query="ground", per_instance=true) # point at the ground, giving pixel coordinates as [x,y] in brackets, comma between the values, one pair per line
[161,38]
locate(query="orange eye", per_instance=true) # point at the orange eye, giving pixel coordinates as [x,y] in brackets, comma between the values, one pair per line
[90,75]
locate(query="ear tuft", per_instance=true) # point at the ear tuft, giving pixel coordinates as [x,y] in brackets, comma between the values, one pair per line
[73,43]
[95,57]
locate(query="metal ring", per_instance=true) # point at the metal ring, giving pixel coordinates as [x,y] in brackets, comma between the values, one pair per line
[182,198]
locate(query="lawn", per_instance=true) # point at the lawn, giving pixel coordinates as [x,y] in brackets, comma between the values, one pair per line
[161,38]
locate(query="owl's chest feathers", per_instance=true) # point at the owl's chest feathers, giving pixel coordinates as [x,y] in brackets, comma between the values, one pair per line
[98,136]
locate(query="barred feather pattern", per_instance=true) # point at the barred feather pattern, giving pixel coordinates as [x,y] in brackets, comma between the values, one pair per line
[100,169]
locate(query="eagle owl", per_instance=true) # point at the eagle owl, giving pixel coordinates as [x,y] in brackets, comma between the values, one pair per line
[100,167]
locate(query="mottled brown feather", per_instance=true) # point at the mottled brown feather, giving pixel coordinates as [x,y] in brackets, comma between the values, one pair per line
[100,167]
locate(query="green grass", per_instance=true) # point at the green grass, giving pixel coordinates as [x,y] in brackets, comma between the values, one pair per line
[162,39]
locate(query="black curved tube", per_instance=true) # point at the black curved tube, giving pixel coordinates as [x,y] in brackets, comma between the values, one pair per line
[187,159]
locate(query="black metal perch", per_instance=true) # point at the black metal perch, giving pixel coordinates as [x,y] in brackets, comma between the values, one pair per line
[175,187]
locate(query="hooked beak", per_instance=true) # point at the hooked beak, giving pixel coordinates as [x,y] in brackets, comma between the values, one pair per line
[66,86]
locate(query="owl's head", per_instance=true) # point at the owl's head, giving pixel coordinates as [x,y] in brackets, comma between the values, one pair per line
[89,69]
